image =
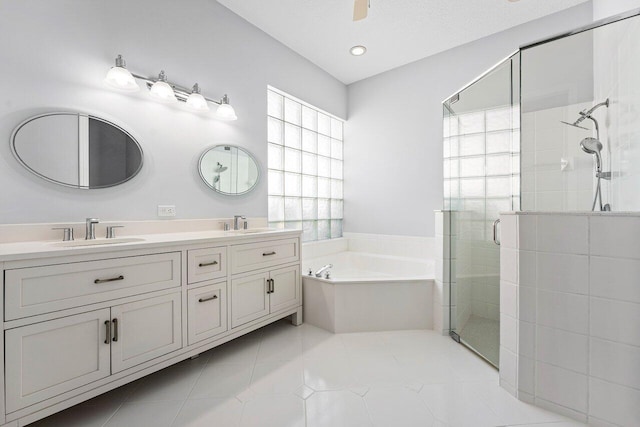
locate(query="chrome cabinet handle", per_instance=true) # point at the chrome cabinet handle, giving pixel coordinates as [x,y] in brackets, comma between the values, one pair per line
[269,253]
[107,325]
[495,232]
[115,330]
[208,299]
[207,264]
[113,279]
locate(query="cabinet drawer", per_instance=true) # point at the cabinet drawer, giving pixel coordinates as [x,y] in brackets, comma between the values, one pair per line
[206,264]
[207,312]
[255,256]
[36,290]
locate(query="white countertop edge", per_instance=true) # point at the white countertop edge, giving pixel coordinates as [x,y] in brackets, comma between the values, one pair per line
[575,213]
[45,249]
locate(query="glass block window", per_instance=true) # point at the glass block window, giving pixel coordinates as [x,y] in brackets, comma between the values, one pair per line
[305,167]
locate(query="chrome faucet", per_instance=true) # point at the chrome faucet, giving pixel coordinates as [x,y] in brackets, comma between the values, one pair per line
[91,228]
[236,226]
[323,269]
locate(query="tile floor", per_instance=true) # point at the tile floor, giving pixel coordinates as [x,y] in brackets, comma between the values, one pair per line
[285,376]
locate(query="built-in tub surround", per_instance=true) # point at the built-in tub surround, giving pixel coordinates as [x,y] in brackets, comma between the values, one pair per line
[570,313]
[370,288]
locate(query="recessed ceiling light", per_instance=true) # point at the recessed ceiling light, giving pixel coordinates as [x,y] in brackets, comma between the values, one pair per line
[358,50]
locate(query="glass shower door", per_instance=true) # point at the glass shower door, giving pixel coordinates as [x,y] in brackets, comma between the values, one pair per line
[481,164]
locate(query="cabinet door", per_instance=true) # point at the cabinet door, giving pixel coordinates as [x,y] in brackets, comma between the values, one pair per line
[144,330]
[207,312]
[249,298]
[286,288]
[49,358]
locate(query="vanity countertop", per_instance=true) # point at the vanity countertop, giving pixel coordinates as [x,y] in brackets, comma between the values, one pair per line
[53,248]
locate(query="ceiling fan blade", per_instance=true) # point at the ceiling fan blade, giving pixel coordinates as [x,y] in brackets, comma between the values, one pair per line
[360,9]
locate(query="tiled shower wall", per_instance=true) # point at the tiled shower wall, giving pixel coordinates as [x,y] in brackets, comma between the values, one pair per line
[617,77]
[570,314]
[556,174]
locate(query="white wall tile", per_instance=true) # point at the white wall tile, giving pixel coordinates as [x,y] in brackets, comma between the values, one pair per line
[509,231]
[615,278]
[562,410]
[563,272]
[563,234]
[527,339]
[564,311]
[527,302]
[561,386]
[614,403]
[509,333]
[615,320]
[527,231]
[509,299]
[526,375]
[615,236]
[561,348]
[527,268]
[615,362]
[509,265]
[508,367]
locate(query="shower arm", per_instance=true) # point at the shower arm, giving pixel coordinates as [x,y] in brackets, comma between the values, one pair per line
[595,123]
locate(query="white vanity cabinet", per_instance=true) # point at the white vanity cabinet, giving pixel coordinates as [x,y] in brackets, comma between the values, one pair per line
[266,290]
[79,322]
[257,295]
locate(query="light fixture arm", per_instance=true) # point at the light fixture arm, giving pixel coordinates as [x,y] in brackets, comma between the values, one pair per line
[182,93]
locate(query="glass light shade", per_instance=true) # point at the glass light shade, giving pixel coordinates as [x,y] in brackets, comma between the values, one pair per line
[120,78]
[196,102]
[163,92]
[226,112]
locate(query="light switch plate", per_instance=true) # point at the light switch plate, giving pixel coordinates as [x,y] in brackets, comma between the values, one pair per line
[166,210]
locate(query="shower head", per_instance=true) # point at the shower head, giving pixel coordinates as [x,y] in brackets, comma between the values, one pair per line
[592,146]
[219,168]
[575,124]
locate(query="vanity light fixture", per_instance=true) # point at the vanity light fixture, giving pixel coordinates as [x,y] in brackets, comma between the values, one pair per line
[196,101]
[358,50]
[120,78]
[162,90]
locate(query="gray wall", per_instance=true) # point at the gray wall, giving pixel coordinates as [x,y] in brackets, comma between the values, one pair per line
[55,54]
[393,149]
[605,8]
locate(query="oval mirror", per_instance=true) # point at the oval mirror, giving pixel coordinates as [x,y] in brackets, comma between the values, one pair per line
[228,169]
[77,150]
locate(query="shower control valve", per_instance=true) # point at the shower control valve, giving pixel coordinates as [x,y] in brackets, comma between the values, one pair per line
[310,273]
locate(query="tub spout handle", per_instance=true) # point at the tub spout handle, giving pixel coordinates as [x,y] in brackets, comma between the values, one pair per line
[310,273]
[323,269]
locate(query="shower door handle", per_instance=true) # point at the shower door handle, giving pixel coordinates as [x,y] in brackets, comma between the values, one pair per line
[495,232]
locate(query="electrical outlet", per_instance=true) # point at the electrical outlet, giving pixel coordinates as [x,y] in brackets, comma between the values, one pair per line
[166,210]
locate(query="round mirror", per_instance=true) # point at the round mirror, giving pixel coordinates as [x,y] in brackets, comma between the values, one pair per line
[228,169]
[77,150]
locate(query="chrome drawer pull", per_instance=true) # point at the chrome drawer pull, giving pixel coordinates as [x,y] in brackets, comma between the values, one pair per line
[268,253]
[107,325]
[207,264]
[115,330]
[113,279]
[208,299]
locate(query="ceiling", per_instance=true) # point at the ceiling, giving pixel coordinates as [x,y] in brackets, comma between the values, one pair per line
[395,33]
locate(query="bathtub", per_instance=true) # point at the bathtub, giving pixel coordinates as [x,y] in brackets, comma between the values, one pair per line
[369,292]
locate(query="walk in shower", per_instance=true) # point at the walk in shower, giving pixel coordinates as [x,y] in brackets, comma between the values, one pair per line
[554,127]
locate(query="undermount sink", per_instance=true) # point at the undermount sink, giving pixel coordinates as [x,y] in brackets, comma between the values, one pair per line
[96,242]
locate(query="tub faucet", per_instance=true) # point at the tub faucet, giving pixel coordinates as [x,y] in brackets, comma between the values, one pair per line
[91,228]
[323,269]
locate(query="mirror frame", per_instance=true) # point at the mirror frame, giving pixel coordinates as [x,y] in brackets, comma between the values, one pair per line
[73,113]
[208,149]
